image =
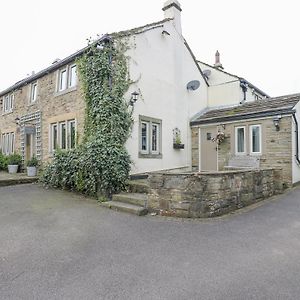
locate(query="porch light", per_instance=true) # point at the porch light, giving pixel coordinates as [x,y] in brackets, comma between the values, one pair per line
[17,120]
[134,98]
[276,121]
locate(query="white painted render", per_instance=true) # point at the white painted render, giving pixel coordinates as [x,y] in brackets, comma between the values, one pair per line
[161,66]
[295,165]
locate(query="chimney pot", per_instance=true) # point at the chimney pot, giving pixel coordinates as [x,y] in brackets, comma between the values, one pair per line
[218,64]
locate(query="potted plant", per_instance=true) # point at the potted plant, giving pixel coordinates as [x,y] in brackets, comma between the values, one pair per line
[3,162]
[177,143]
[32,166]
[13,163]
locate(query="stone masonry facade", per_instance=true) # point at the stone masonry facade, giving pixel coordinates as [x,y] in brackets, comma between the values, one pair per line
[210,194]
[53,106]
[276,145]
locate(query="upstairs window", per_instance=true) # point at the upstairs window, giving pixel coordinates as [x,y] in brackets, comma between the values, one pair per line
[67,78]
[33,92]
[8,103]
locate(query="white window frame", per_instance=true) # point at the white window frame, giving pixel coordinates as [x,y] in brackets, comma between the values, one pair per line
[236,140]
[8,143]
[260,139]
[62,85]
[58,125]
[8,103]
[149,152]
[72,81]
[33,92]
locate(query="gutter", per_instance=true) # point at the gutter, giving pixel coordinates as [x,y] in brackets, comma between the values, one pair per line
[297,138]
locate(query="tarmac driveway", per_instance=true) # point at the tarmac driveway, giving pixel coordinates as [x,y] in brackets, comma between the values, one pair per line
[57,245]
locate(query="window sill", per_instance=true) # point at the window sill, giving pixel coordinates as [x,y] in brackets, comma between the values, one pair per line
[66,91]
[154,156]
[7,113]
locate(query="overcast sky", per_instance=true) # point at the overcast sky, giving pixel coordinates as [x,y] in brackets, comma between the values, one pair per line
[258,40]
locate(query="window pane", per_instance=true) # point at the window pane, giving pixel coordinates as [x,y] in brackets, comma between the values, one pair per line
[255,139]
[73,76]
[63,136]
[72,134]
[144,136]
[240,140]
[33,92]
[155,137]
[54,137]
[63,80]
[11,102]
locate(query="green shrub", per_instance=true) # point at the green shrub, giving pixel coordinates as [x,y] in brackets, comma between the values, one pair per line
[100,165]
[33,162]
[14,159]
[3,162]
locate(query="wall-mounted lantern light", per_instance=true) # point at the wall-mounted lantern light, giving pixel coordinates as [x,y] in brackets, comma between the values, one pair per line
[276,121]
[17,120]
[134,98]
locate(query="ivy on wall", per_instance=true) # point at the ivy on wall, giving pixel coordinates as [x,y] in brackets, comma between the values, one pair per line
[100,165]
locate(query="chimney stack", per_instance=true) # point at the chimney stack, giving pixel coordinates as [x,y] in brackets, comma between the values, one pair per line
[218,64]
[172,10]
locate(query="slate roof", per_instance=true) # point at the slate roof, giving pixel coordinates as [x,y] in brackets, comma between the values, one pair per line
[260,108]
[73,56]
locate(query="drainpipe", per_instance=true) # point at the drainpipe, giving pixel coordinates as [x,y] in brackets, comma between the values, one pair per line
[297,138]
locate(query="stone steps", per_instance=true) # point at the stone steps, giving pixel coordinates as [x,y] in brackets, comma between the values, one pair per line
[125,207]
[134,201]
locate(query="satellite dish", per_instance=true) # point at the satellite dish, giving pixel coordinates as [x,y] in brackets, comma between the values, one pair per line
[207,73]
[193,85]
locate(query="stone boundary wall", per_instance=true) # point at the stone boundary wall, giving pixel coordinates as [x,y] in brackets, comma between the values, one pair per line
[203,195]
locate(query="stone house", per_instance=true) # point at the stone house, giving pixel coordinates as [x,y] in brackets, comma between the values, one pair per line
[172,92]
[257,134]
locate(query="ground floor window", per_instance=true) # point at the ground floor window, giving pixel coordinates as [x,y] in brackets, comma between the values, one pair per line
[150,137]
[63,135]
[240,140]
[255,139]
[7,143]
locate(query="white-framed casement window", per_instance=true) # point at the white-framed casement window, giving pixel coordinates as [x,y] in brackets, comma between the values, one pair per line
[7,143]
[67,78]
[33,92]
[255,139]
[240,141]
[72,76]
[62,135]
[8,103]
[149,137]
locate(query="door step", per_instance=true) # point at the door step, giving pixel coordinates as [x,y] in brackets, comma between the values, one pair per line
[125,207]
[138,186]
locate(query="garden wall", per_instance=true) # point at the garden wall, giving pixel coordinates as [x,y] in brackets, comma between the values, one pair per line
[211,194]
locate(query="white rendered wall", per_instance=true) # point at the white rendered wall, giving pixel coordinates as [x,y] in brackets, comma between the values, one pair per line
[295,166]
[161,67]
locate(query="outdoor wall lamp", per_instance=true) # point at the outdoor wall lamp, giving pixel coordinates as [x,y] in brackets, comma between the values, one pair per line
[17,120]
[134,98]
[276,121]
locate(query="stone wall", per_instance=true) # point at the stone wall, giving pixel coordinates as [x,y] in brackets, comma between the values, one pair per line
[211,194]
[276,145]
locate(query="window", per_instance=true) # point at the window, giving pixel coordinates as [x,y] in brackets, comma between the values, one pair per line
[255,139]
[240,142]
[67,78]
[72,76]
[62,80]
[8,103]
[8,143]
[33,92]
[62,135]
[150,137]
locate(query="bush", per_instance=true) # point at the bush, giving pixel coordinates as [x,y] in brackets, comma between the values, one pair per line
[3,162]
[33,162]
[14,159]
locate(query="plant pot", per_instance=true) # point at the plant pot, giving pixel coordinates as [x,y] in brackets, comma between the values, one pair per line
[31,171]
[13,169]
[178,146]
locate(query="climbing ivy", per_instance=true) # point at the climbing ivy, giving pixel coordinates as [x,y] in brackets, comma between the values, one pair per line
[100,165]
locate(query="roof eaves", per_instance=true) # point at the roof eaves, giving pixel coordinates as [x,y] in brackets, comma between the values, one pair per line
[242,117]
